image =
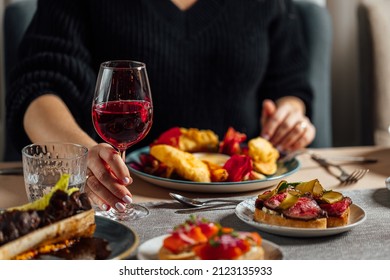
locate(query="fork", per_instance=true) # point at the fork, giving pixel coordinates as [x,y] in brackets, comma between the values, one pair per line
[344,177]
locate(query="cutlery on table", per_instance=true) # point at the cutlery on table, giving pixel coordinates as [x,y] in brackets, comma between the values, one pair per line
[220,206]
[11,171]
[344,177]
[197,203]
[292,155]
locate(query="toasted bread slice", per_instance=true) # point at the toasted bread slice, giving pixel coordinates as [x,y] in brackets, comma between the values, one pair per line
[80,225]
[165,254]
[185,164]
[278,220]
[339,221]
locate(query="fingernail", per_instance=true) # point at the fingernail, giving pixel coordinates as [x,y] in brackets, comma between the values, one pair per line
[120,207]
[126,180]
[104,207]
[127,199]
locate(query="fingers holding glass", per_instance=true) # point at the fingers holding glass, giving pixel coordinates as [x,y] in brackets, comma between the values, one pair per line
[104,165]
[115,164]
[98,191]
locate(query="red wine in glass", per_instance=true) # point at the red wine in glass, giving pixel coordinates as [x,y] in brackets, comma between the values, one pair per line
[122,123]
[122,114]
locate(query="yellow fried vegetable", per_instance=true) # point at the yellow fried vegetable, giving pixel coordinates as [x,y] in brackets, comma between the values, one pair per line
[185,164]
[261,150]
[194,140]
[217,172]
[266,168]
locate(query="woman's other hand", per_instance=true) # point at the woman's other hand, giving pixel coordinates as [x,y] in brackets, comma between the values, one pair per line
[285,125]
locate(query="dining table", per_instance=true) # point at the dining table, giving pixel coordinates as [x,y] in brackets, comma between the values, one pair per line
[368,240]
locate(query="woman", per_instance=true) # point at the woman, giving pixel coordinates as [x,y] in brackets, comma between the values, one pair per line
[211,64]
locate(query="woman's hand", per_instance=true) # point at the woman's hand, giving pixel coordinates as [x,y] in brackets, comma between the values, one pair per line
[107,179]
[285,125]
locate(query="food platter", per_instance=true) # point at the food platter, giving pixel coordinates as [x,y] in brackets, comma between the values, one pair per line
[120,240]
[284,170]
[245,211]
[149,249]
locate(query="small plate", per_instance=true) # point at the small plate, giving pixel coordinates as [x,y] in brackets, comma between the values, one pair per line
[149,249]
[245,211]
[284,170]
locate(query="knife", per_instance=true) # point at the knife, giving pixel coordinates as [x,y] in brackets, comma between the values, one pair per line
[353,158]
[219,206]
[11,171]
[287,157]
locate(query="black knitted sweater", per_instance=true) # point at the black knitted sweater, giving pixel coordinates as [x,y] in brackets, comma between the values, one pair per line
[209,67]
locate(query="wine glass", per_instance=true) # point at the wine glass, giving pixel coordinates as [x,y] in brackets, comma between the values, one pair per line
[122,114]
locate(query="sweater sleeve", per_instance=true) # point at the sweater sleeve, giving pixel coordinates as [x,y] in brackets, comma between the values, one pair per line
[53,58]
[287,71]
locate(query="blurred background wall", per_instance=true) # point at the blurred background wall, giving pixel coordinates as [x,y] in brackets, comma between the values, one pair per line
[347,115]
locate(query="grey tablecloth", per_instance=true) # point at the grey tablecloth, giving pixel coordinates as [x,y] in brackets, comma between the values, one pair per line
[368,241]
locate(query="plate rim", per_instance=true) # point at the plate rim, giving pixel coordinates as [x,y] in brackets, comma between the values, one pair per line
[155,239]
[298,232]
[125,254]
[164,181]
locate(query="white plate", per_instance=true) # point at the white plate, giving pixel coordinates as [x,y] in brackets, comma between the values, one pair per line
[149,249]
[245,211]
[283,171]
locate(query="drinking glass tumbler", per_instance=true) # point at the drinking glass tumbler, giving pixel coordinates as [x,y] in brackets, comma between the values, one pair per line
[44,163]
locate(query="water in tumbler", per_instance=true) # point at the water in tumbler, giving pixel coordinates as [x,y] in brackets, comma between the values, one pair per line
[37,190]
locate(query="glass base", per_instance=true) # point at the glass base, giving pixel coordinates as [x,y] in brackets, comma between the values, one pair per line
[131,213]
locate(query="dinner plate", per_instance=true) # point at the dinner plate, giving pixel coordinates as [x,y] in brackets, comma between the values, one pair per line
[284,170]
[245,211]
[122,240]
[111,239]
[149,249]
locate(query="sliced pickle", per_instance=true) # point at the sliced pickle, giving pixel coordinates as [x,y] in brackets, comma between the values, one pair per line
[314,187]
[295,192]
[294,184]
[332,197]
[281,186]
[318,189]
[265,196]
[289,201]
